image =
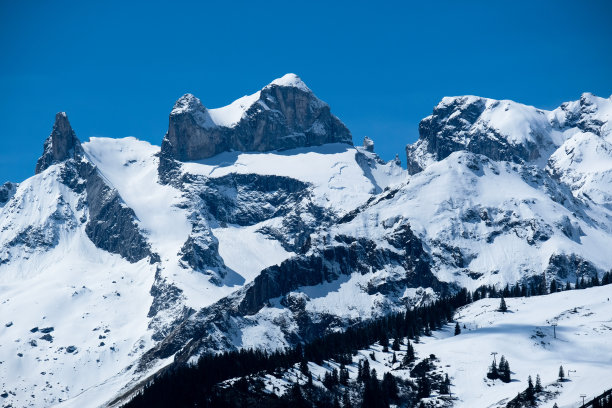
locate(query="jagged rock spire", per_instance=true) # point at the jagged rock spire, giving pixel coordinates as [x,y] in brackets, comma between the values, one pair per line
[368,144]
[61,145]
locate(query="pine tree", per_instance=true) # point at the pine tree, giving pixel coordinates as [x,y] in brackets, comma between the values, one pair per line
[384,342]
[502,306]
[396,344]
[553,286]
[457,329]
[328,381]
[504,370]
[304,367]
[346,400]
[344,375]
[568,286]
[493,374]
[389,387]
[424,387]
[530,391]
[394,359]
[561,374]
[409,357]
[445,385]
[365,371]
[538,384]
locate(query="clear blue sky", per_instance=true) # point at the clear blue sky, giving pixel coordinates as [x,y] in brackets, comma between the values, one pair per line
[116,68]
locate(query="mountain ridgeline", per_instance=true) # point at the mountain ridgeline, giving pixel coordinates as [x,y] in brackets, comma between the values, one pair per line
[259,225]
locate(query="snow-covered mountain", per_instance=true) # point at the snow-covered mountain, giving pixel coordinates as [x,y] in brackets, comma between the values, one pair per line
[259,224]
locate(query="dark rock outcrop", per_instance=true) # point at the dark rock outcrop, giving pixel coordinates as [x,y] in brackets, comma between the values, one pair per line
[570,267]
[212,328]
[112,224]
[283,115]
[61,145]
[247,199]
[454,125]
[579,114]
[7,190]
[368,144]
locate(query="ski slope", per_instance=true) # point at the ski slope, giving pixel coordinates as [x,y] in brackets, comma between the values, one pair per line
[524,335]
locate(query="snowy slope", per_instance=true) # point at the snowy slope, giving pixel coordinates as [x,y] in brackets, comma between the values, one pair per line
[584,163]
[130,166]
[333,171]
[73,315]
[524,336]
[478,233]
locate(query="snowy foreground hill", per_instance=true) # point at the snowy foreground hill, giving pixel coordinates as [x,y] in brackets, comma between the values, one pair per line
[523,335]
[260,225]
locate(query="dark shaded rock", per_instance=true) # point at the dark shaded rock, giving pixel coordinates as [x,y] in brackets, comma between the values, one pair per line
[579,114]
[7,190]
[284,115]
[47,330]
[61,145]
[247,199]
[570,267]
[212,328]
[112,224]
[451,128]
[166,297]
[201,252]
[47,337]
[368,144]
[71,349]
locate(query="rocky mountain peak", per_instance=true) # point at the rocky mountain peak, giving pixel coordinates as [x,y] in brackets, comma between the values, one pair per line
[368,144]
[290,81]
[284,114]
[61,145]
[499,129]
[187,103]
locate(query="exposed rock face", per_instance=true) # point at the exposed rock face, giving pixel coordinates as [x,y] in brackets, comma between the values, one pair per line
[506,130]
[368,144]
[112,224]
[464,123]
[206,329]
[62,144]
[6,192]
[570,267]
[283,115]
[583,114]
